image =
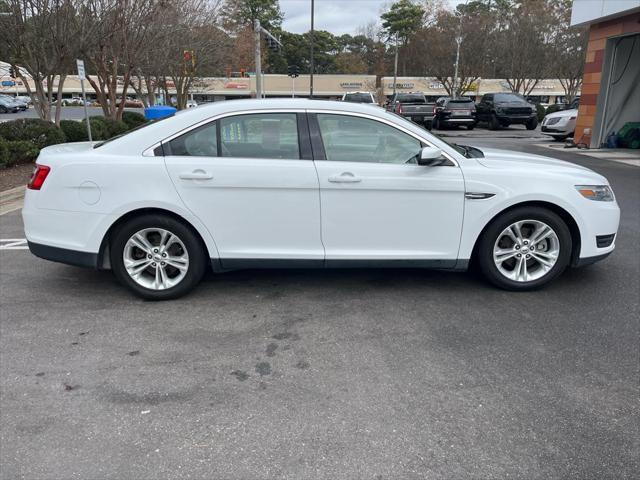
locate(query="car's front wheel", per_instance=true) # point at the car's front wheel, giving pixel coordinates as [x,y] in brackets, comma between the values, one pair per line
[531,124]
[524,248]
[157,257]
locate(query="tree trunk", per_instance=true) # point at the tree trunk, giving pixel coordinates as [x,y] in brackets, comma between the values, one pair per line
[61,80]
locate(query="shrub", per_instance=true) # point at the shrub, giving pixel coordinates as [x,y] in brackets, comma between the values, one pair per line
[99,129]
[4,152]
[39,132]
[115,127]
[21,151]
[133,119]
[540,111]
[74,131]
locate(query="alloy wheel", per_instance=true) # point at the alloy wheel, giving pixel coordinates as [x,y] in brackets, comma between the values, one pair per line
[156,258]
[526,250]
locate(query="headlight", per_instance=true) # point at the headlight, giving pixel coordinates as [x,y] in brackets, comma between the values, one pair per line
[599,193]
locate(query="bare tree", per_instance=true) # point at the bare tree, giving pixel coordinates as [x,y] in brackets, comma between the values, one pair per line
[40,38]
[569,50]
[114,36]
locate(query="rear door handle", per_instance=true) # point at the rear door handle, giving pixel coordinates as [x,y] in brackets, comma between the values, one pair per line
[345,177]
[195,175]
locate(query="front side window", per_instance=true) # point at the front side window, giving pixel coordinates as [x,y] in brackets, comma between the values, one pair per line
[357,139]
[260,135]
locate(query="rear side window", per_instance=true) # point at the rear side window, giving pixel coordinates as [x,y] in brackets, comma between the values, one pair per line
[260,135]
[199,142]
[411,98]
[358,98]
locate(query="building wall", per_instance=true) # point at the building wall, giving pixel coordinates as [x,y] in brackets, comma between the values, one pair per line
[591,81]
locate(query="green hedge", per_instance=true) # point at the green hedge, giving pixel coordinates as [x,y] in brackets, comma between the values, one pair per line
[4,152]
[74,131]
[22,151]
[39,132]
[133,119]
[541,111]
[554,108]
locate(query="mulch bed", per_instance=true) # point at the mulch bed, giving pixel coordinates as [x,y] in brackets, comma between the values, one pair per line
[15,176]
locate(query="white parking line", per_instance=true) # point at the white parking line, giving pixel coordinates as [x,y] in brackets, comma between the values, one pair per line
[13,244]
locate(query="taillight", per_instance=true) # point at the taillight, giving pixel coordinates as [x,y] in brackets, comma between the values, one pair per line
[39,176]
[399,112]
[434,110]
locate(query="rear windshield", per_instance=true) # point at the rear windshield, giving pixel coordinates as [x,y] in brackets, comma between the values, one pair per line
[411,98]
[358,97]
[460,101]
[508,97]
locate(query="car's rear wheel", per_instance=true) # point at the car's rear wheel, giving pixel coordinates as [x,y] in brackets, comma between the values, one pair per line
[471,126]
[524,249]
[157,257]
[531,124]
[3,109]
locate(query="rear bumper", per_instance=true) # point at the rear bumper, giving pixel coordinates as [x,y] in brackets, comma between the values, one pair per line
[64,255]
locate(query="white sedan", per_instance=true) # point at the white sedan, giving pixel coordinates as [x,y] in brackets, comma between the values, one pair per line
[300,183]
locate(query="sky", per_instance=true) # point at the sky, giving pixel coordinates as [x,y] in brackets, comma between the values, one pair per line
[335,16]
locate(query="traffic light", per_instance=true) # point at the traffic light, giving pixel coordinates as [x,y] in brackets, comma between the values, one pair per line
[189,60]
[12,72]
[293,71]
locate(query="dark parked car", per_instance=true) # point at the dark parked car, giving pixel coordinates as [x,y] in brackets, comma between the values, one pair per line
[504,109]
[413,106]
[7,105]
[449,112]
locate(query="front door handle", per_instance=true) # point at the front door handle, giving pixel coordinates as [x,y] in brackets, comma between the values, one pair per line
[345,177]
[195,175]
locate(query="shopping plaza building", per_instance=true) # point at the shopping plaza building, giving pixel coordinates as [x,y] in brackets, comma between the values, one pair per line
[325,87]
[611,83]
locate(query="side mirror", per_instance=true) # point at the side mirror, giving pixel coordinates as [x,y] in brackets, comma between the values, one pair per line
[430,157]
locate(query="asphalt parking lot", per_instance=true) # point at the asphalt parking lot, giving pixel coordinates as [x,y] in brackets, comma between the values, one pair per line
[344,374]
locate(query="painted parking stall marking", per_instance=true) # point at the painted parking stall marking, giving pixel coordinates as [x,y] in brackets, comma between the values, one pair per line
[13,244]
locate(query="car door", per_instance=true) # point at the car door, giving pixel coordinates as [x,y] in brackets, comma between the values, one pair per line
[250,179]
[377,203]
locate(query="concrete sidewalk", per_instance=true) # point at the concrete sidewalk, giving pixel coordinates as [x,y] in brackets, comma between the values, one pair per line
[622,155]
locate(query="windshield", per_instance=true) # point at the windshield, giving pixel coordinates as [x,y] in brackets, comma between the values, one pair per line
[508,97]
[358,98]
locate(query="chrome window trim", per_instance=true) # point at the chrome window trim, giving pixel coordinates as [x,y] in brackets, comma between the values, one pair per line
[220,116]
[149,152]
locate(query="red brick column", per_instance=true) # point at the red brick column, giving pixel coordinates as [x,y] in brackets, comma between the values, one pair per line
[598,35]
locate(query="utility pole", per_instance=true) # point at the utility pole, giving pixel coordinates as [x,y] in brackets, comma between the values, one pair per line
[256,31]
[395,67]
[312,63]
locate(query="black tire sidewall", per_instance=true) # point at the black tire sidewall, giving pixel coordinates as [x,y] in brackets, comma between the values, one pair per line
[489,237]
[191,241]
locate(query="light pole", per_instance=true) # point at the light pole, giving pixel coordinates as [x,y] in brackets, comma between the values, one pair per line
[395,67]
[455,75]
[311,66]
[256,32]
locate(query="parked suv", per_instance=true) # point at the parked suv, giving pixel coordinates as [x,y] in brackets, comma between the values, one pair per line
[450,112]
[504,109]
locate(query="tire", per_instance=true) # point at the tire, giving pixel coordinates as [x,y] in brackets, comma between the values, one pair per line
[3,109]
[560,138]
[494,123]
[470,127]
[436,123]
[428,125]
[507,273]
[531,124]
[188,245]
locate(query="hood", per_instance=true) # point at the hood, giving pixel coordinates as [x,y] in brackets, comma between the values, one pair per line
[563,113]
[520,161]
